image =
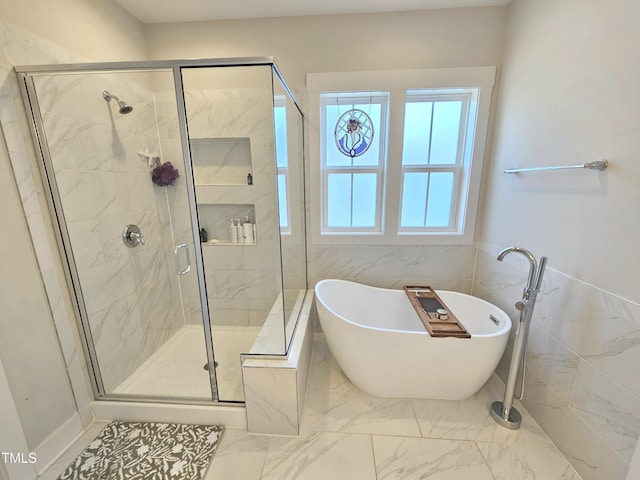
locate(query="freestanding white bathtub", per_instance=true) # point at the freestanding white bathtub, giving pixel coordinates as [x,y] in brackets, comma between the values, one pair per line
[380,344]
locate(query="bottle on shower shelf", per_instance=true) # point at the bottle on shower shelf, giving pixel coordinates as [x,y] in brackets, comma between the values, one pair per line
[204,238]
[239,231]
[233,233]
[247,231]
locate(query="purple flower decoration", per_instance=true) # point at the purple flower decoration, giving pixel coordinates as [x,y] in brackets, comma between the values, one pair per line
[164,174]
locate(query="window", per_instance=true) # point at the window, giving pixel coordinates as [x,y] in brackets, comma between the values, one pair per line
[433,159]
[352,183]
[418,180]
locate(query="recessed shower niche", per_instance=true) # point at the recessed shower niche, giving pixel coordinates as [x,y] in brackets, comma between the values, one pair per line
[229,224]
[222,161]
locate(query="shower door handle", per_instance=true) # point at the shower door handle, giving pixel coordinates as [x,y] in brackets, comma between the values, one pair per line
[176,259]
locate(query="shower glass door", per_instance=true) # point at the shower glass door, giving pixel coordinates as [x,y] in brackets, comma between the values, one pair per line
[120,189]
[230,127]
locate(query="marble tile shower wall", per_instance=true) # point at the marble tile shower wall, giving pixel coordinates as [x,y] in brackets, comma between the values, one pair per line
[242,281]
[131,295]
[170,148]
[580,384]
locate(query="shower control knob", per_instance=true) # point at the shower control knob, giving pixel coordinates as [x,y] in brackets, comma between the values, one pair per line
[132,236]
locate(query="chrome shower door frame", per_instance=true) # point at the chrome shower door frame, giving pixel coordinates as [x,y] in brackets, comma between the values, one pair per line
[63,240]
[29,94]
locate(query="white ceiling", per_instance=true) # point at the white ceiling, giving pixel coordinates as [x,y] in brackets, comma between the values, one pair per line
[166,11]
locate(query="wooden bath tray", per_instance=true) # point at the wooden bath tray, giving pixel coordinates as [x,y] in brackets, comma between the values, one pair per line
[426,303]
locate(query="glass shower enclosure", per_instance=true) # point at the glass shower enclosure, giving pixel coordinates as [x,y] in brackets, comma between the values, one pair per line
[178,192]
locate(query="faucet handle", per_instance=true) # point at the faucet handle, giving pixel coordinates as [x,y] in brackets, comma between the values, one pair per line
[137,237]
[132,236]
[541,268]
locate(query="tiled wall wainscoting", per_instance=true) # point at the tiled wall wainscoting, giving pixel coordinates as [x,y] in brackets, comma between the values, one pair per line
[582,386]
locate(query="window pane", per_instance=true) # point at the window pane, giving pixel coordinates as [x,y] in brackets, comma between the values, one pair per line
[372,156]
[440,199]
[445,132]
[282,201]
[414,194]
[333,156]
[339,200]
[417,130]
[280,120]
[365,187]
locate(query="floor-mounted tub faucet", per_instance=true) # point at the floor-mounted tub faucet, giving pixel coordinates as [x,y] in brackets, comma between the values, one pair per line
[503,412]
[533,265]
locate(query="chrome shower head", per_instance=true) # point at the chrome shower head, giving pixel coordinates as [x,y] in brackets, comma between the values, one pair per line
[124,108]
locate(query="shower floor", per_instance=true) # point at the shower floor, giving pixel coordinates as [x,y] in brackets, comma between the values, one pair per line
[177,368]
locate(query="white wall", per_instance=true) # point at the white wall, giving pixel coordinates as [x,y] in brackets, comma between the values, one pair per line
[29,347]
[97,30]
[407,40]
[301,45]
[12,435]
[569,95]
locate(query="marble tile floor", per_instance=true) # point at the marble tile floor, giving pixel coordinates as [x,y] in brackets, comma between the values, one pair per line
[347,434]
[176,369]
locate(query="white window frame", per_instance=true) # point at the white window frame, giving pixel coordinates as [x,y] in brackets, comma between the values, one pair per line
[463,158]
[381,135]
[479,80]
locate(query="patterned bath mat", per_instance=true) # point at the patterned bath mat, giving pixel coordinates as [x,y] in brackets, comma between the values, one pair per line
[149,451]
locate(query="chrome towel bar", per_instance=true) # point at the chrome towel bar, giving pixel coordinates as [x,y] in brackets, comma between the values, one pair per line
[597,165]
